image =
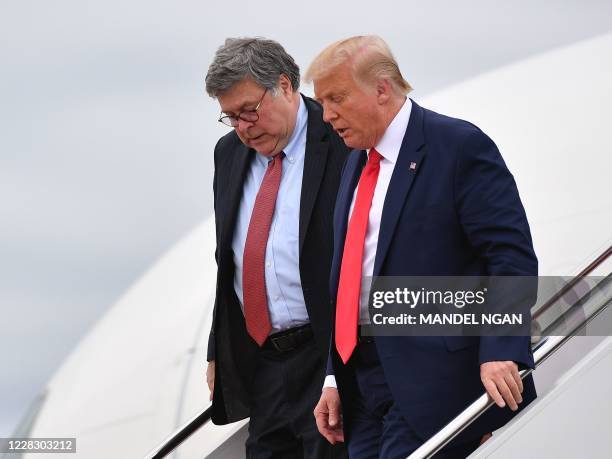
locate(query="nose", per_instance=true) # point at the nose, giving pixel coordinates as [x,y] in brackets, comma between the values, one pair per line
[328,113]
[243,125]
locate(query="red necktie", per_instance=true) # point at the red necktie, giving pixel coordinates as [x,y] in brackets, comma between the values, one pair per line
[253,271]
[349,287]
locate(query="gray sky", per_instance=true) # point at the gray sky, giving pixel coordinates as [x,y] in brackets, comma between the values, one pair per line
[106,134]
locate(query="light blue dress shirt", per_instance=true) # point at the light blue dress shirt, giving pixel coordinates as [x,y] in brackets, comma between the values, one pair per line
[283,284]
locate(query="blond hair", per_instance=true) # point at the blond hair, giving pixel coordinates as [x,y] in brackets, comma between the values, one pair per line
[369,57]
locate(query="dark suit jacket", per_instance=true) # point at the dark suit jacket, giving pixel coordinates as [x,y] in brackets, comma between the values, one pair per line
[458,213]
[230,345]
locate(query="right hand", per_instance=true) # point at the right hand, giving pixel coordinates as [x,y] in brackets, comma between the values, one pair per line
[210,377]
[328,414]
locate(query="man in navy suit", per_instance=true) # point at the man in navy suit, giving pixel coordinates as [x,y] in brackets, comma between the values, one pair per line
[421,194]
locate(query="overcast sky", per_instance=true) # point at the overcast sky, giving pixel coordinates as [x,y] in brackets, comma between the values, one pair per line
[106,134]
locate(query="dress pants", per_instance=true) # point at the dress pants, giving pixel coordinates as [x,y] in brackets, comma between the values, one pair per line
[377,427]
[286,388]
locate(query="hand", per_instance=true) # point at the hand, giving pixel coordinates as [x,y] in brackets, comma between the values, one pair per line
[328,414]
[210,377]
[503,383]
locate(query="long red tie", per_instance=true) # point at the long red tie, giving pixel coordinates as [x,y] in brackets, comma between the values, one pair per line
[256,312]
[349,287]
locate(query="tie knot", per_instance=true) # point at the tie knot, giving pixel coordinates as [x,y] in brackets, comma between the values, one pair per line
[275,159]
[374,157]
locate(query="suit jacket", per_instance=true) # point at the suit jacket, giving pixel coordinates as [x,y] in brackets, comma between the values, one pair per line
[230,345]
[457,213]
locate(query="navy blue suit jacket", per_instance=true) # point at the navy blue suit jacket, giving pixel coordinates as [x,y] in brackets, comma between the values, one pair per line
[457,213]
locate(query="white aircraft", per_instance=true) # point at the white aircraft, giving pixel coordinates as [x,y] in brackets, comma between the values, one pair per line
[139,374]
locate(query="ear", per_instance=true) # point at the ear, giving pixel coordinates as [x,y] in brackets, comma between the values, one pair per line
[285,85]
[383,90]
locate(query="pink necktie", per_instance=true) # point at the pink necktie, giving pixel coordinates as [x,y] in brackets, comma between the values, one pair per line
[256,312]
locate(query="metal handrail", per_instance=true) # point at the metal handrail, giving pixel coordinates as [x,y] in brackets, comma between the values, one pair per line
[180,435]
[478,407]
[571,284]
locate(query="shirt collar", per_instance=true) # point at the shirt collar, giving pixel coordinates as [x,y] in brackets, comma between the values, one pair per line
[391,141]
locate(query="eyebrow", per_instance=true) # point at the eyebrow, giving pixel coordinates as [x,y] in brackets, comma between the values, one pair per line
[241,108]
[332,94]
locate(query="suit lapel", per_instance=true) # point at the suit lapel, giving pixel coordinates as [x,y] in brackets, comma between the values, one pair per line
[350,178]
[240,164]
[315,160]
[408,163]
[353,173]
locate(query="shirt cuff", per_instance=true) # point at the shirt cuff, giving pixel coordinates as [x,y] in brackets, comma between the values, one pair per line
[330,381]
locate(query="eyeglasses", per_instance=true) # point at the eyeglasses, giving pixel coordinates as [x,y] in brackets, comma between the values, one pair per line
[246,115]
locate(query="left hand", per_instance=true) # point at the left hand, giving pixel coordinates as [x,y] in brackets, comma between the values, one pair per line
[502,382]
[210,378]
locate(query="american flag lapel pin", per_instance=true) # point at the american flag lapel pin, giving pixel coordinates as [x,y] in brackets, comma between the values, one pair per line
[413,166]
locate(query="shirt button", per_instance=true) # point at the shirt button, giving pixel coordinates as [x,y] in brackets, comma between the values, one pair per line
[291,159]
[268,264]
[276,298]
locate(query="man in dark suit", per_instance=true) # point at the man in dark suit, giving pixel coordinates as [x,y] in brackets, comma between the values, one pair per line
[422,194]
[275,183]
